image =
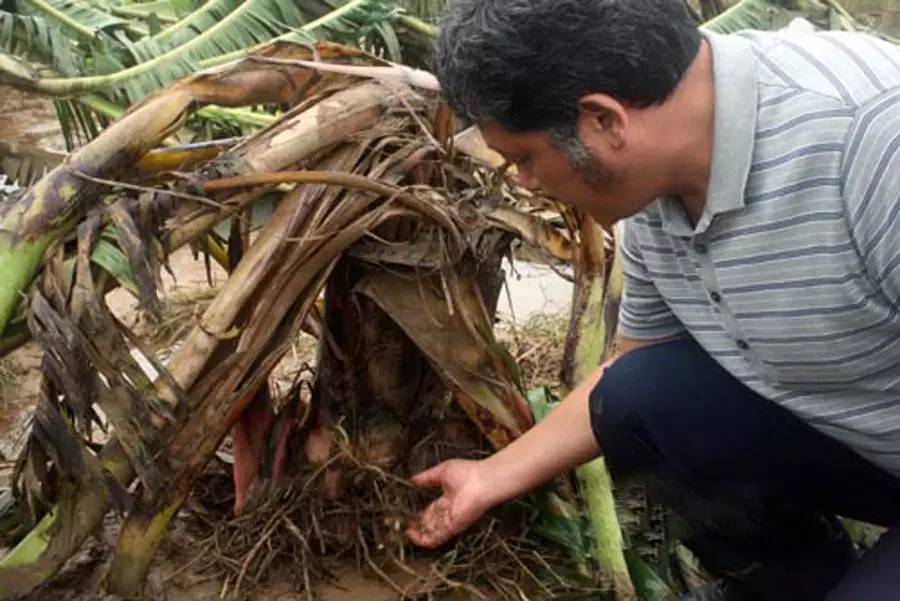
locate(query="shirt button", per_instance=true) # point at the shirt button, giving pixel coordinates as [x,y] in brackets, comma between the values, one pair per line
[716,297]
[700,248]
[742,344]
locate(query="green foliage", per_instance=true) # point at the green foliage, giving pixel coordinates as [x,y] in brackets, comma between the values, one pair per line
[79,122]
[115,59]
[215,122]
[647,583]
[427,10]
[542,402]
[573,532]
[113,260]
[767,15]
[555,522]
[190,25]
[32,38]
[568,533]
[372,30]
[103,57]
[220,27]
[76,16]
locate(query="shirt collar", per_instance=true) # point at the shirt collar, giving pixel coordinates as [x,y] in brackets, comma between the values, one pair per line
[736,100]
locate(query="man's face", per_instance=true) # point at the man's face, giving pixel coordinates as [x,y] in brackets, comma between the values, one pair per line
[585,173]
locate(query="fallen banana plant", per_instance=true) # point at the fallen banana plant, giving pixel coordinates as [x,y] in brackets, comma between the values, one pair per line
[374,211]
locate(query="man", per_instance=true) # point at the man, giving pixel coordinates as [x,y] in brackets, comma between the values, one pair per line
[756,385]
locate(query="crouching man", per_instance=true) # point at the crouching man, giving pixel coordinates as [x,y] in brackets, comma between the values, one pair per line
[756,388]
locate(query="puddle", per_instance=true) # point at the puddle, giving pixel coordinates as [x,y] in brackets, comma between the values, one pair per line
[532,289]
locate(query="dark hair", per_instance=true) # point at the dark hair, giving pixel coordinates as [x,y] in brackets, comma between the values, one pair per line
[525,63]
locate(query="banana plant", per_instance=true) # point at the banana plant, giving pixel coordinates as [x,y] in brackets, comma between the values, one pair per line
[49,212]
[220,29]
[95,59]
[773,14]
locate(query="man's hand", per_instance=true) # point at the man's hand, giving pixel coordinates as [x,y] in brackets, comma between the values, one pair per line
[466,498]
[562,441]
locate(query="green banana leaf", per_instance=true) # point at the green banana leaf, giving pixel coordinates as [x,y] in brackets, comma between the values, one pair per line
[649,586]
[218,32]
[768,15]
[77,16]
[32,38]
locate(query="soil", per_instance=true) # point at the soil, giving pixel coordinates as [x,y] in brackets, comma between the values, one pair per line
[28,122]
[30,136]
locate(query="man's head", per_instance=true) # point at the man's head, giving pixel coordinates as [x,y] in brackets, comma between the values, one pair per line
[558,87]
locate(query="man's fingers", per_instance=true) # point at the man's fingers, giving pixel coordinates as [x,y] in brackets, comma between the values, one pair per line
[419,533]
[418,538]
[432,527]
[430,478]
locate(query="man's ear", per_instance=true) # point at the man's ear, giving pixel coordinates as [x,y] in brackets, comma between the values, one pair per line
[603,118]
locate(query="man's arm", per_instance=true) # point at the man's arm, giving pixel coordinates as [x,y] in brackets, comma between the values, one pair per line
[525,463]
[562,441]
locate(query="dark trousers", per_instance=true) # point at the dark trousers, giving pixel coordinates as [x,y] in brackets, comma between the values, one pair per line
[757,486]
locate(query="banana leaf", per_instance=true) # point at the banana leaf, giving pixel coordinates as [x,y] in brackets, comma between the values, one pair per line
[768,15]
[338,116]
[218,32]
[77,16]
[33,38]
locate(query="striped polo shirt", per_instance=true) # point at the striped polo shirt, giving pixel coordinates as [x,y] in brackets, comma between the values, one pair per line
[791,277]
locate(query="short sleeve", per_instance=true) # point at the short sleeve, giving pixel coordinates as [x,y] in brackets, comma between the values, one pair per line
[643,314]
[870,185]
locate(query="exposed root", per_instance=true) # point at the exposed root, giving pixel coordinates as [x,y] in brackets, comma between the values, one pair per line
[304,530]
